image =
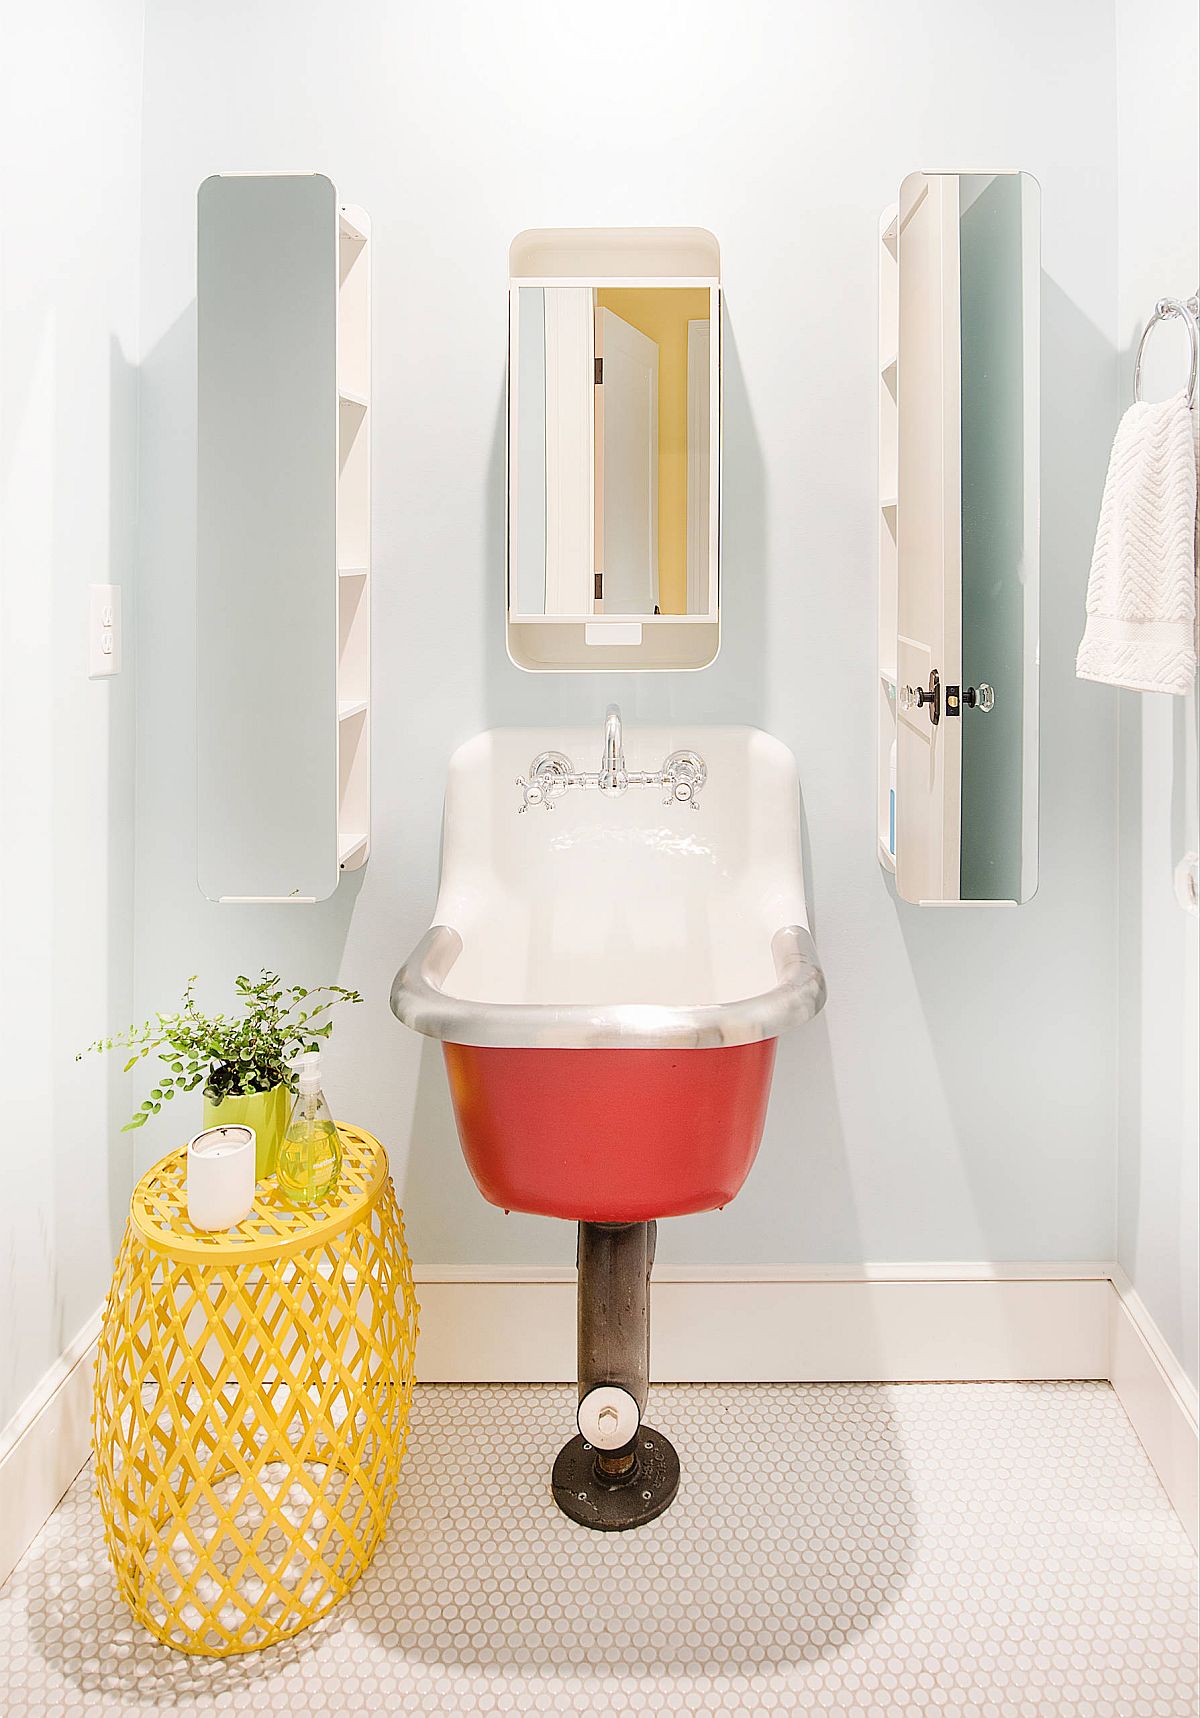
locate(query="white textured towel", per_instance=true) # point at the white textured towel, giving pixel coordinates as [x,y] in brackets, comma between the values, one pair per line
[1141,599]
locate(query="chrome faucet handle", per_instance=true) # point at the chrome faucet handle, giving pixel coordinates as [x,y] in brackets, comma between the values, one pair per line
[550,775]
[531,794]
[683,776]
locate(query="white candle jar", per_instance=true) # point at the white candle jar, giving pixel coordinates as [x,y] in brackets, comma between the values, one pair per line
[220,1177]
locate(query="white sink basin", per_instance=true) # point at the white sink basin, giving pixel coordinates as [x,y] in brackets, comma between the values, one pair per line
[617,922]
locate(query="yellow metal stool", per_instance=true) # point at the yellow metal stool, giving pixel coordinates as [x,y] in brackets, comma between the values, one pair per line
[251,1404]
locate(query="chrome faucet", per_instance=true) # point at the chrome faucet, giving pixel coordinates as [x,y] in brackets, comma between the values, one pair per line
[614,778]
[551,774]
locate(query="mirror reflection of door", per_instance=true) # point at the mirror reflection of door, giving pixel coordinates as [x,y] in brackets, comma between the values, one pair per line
[611,455]
[666,316]
[626,468]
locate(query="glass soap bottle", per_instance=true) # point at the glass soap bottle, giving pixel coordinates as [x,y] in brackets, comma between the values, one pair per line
[310,1153]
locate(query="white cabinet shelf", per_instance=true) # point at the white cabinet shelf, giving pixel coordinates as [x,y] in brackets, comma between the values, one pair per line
[354,538]
[885,689]
[351,846]
[349,228]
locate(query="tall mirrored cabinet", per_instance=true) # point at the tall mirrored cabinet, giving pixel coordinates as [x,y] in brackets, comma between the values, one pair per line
[283,537]
[614,445]
[957,694]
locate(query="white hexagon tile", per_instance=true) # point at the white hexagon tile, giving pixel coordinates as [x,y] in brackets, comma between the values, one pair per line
[973,1550]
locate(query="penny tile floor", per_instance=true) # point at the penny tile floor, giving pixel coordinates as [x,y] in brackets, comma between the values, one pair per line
[973,1550]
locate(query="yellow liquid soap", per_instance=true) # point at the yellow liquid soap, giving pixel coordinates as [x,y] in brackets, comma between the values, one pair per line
[310,1154]
[309,1163]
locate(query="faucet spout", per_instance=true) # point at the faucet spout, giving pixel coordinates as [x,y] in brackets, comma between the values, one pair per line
[551,774]
[614,778]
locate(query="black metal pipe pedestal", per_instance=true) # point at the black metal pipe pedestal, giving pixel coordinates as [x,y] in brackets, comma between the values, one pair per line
[613,1490]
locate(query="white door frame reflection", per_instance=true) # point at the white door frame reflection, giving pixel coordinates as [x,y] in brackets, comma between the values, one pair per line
[601,542]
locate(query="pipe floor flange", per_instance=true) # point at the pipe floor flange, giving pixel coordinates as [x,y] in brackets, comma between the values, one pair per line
[614,1505]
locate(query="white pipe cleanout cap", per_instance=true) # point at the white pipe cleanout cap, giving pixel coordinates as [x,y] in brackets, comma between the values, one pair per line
[608,1417]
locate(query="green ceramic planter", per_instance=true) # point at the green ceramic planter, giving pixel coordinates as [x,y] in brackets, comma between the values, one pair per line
[265,1112]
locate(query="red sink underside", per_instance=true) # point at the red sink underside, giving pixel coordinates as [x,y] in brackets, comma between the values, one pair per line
[610,1136]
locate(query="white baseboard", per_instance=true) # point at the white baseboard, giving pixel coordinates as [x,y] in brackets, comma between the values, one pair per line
[1159,1399]
[904,1323]
[951,1322]
[44,1447]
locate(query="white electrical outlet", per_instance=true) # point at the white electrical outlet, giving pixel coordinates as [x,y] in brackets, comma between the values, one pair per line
[104,631]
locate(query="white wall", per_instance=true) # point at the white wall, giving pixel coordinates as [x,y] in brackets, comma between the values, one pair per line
[957,1098]
[1158,210]
[70,93]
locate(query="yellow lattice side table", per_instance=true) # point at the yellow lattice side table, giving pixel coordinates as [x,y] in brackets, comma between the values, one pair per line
[251,1404]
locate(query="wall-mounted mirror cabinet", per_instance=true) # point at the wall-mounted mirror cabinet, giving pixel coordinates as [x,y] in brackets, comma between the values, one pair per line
[960,285]
[614,414]
[283,537]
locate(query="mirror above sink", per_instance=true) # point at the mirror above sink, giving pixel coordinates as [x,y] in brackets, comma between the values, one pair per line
[614,394]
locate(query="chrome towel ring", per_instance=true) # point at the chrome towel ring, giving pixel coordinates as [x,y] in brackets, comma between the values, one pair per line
[1164,310]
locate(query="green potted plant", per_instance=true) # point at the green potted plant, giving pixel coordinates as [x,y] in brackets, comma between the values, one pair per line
[244,1063]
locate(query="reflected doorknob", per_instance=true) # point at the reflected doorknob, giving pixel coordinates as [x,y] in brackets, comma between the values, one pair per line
[918,695]
[981,697]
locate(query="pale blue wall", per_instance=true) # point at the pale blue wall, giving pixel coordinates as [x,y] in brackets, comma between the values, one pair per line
[957,1098]
[70,111]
